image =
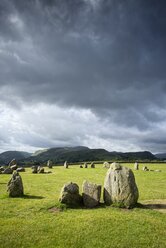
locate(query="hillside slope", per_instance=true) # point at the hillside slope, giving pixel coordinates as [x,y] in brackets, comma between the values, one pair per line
[81,154]
[7,156]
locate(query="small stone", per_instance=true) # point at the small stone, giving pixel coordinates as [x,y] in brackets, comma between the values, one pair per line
[49,164]
[136,166]
[40,169]
[91,194]
[2,169]
[15,185]
[145,168]
[34,169]
[13,167]
[70,195]
[157,170]
[106,165]
[116,166]
[85,165]
[20,169]
[92,165]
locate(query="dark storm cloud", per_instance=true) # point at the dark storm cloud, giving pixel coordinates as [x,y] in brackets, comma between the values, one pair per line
[104,55]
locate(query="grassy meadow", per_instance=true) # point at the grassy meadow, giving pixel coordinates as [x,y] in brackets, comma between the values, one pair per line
[36,220]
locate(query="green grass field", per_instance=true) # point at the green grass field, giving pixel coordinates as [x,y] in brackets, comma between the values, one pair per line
[28,221]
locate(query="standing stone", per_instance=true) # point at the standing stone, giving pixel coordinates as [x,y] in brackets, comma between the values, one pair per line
[66,165]
[13,162]
[20,169]
[70,195]
[119,187]
[8,170]
[49,164]
[40,169]
[2,169]
[92,165]
[91,194]
[15,185]
[85,165]
[145,168]
[81,166]
[13,167]
[136,166]
[106,165]
[34,169]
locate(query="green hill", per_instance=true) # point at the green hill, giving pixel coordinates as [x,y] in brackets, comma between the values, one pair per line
[81,154]
[7,156]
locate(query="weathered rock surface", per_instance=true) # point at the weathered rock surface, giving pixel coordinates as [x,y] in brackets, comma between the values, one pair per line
[70,195]
[92,165]
[49,164]
[34,169]
[13,167]
[13,162]
[8,170]
[2,168]
[20,169]
[119,187]
[40,169]
[91,194]
[136,166]
[145,168]
[15,185]
[66,165]
[106,165]
[85,165]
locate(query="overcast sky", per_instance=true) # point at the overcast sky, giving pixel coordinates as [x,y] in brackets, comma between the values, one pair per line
[83,72]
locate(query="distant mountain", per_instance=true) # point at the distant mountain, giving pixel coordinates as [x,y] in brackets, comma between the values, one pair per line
[82,153]
[139,156]
[72,155]
[161,156]
[6,157]
[38,152]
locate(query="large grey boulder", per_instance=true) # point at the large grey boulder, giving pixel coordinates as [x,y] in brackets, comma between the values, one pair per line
[70,195]
[120,188]
[91,194]
[15,185]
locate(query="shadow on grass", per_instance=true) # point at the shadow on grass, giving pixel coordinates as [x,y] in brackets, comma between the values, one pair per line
[155,206]
[3,183]
[81,206]
[32,197]
[63,207]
